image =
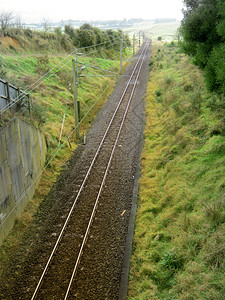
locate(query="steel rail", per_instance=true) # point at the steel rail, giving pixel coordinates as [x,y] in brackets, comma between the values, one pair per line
[85,179]
[103,180]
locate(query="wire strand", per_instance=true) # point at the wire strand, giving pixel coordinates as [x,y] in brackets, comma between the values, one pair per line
[54,155]
[91,46]
[11,104]
[31,88]
[97,68]
[42,78]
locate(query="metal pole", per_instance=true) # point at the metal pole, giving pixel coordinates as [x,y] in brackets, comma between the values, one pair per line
[61,129]
[133,42]
[76,66]
[121,54]
[75,101]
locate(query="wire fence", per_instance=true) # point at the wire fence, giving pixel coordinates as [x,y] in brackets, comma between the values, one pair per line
[9,94]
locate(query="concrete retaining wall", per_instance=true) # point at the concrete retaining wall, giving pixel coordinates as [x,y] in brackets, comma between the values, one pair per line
[22,156]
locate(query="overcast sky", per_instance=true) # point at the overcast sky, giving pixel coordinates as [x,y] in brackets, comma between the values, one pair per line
[38,10]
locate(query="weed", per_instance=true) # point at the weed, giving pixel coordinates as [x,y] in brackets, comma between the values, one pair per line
[168,81]
[172,261]
[42,64]
[158,93]
[215,211]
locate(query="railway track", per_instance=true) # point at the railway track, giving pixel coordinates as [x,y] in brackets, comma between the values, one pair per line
[62,265]
[81,245]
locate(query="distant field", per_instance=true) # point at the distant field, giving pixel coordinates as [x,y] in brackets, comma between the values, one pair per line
[168,31]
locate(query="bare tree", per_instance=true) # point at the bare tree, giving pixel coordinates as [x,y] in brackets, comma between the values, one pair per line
[18,23]
[46,25]
[6,18]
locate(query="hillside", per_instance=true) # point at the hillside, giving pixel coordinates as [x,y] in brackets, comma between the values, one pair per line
[179,244]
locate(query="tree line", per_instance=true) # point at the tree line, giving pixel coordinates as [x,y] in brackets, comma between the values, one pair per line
[85,36]
[203,31]
[88,35]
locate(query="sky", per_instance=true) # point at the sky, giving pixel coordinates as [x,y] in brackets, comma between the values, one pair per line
[55,10]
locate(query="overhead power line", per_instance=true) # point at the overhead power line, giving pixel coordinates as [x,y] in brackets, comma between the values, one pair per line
[18,200]
[48,74]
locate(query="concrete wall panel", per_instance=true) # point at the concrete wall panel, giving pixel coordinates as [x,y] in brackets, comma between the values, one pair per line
[22,156]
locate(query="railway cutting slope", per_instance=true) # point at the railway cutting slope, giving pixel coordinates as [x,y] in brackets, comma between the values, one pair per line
[75,247]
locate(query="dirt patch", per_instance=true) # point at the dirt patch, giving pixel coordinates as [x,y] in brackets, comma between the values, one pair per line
[8,41]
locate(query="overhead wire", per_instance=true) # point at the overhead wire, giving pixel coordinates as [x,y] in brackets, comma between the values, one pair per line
[60,147]
[18,200]
[44,78]
[91,46]
[31,88]
[94,51]
[97,68]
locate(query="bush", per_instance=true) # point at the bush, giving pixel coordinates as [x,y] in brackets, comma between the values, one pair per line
[28,33]
[2,69]
[38,114]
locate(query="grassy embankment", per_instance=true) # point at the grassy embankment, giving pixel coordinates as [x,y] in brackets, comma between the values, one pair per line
[179,242]
[166,30]
[50,100]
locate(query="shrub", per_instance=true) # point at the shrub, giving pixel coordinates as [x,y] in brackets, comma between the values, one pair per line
[42,64]
[2,69]
[28,33]
[38,114]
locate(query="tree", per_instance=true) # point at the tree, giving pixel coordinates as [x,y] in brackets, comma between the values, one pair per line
[203,38]
[73,34]
[86,26]
[98,35]
[86,37]
[46,25]
[18,23]
[68,29]
[6,18]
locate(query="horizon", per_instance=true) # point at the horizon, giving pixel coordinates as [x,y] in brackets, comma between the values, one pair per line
[136,20]
[98,10]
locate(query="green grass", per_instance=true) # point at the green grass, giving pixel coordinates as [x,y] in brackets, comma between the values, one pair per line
[179,244]
[53,97]
[168,30]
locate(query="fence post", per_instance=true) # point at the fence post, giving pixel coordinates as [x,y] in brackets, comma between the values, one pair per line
[75,101]
[7,92]
[61,129]
[121,54]
[133,42]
